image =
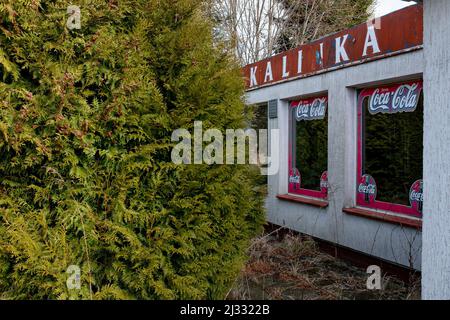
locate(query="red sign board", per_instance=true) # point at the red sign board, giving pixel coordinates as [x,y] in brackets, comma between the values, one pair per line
[310,109]
[394,99]
[395,33]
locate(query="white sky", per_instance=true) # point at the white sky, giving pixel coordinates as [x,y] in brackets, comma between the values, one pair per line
[385,6]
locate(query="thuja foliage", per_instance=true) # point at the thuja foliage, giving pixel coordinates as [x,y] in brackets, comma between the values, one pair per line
[86,178]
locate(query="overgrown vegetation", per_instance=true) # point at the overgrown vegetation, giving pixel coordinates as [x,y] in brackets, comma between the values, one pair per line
[291,267]
[86,178]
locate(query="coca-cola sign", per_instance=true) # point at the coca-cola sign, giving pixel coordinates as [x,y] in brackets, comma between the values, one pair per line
[367,189]
[395,99]
[310,109]
[295,179]
[416,196]
[324,185]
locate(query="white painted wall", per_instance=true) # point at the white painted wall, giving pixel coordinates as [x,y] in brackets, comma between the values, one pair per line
[436,229]
[384,240]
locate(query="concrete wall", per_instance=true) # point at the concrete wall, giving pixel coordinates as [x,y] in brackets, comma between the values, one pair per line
[387,241]
[436,229]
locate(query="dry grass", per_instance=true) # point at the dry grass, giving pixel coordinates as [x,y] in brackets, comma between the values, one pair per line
[294,269]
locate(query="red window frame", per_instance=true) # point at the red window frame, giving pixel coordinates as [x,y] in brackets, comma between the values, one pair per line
[412,210]
[295,188]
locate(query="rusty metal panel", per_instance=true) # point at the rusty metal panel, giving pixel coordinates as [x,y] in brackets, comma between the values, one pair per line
[395,33]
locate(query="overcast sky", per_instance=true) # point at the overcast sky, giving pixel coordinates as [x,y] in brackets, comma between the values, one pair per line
[385,6]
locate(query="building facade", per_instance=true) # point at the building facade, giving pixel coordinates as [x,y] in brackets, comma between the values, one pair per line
[364,157]
[363,117]
[436,222]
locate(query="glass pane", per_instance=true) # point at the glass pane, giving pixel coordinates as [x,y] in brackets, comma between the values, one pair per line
[310,150]
[393,152]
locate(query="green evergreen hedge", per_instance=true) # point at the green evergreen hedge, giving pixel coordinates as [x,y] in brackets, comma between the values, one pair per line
[86,179]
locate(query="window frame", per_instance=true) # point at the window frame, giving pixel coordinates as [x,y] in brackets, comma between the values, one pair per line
[376,204]
[323,194]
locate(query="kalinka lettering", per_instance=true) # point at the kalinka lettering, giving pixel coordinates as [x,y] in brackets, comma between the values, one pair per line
[343,53]
[394,99]
[310,109]
[359,44]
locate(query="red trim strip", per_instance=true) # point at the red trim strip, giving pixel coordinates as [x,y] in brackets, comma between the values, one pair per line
[312,202]
[385,217]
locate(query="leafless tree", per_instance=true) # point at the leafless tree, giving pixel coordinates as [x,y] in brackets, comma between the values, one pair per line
[256,29]
[307,20]
[248,26]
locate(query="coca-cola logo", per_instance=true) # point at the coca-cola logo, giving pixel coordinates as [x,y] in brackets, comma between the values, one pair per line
[370,189]
[416,196]
[324,183]
[295,179]
[400,98]
[311,109]
[367,189]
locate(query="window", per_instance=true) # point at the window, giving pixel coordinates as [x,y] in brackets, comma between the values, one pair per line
[390,148]
[308,152]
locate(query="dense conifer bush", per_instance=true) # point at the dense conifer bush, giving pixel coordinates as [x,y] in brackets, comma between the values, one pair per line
[86,178]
